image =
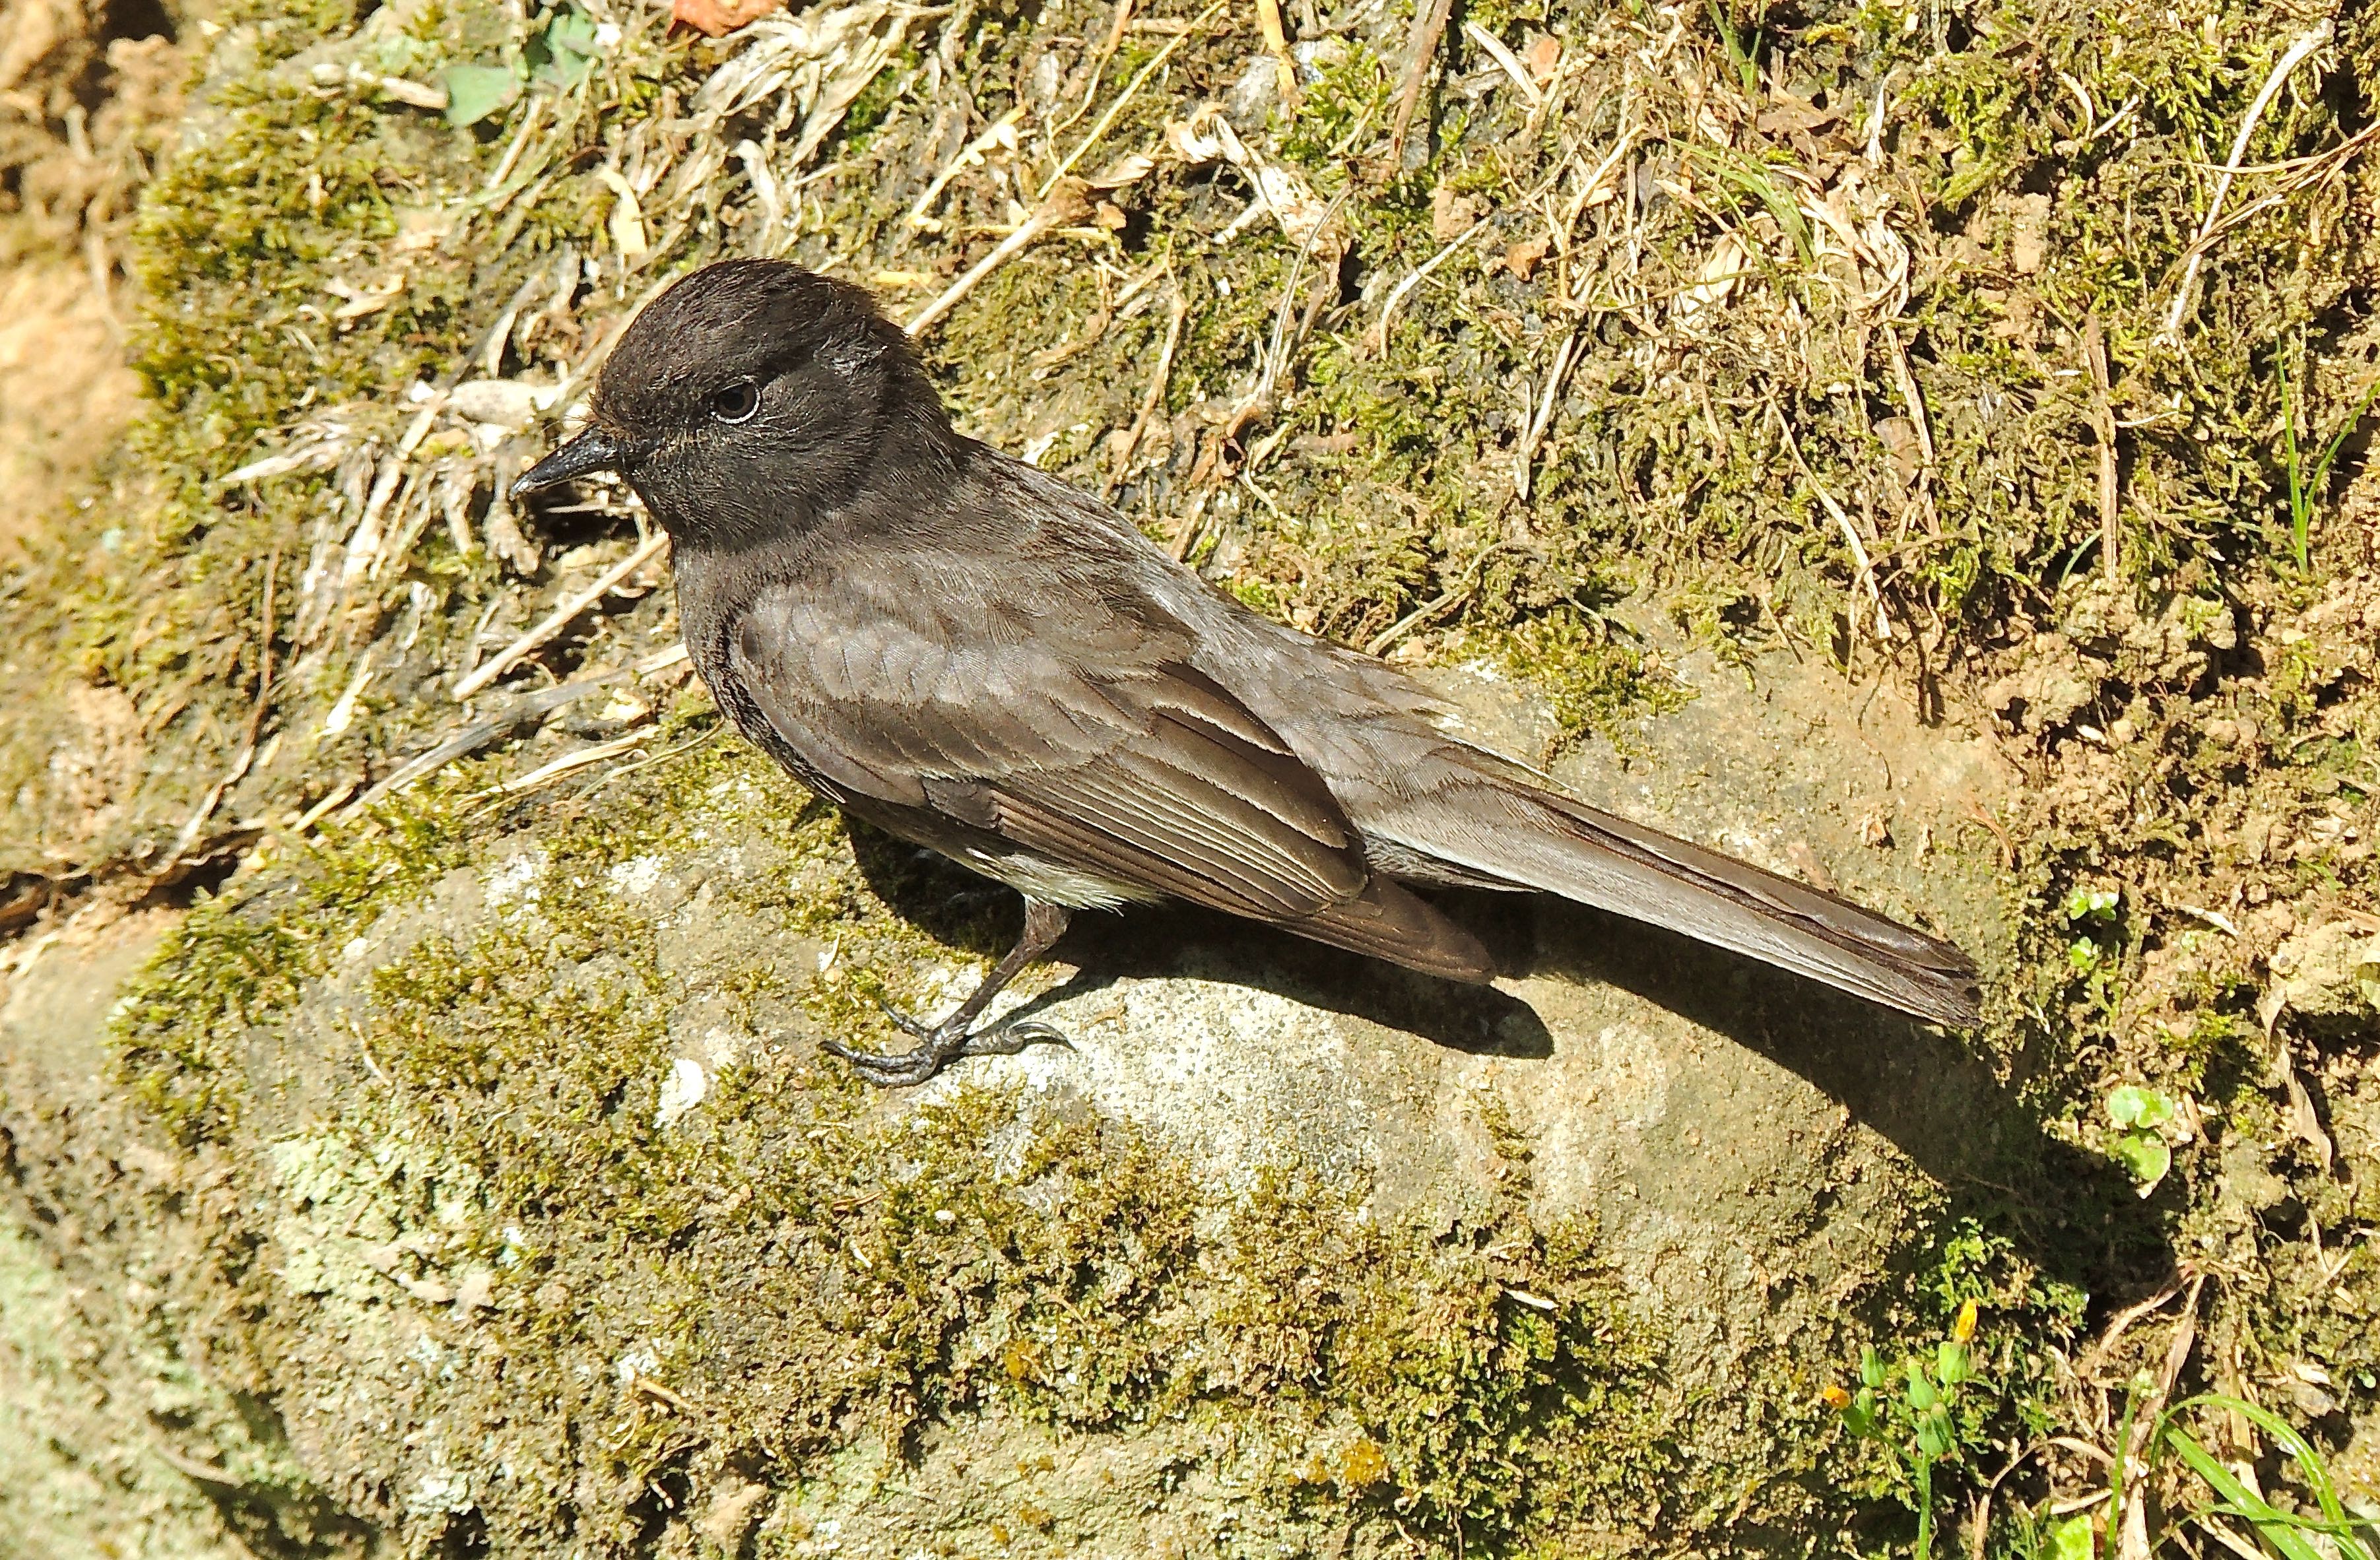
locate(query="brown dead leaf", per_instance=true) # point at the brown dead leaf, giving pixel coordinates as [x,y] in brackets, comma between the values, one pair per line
[1451,215]
[1542,57]
[717,18]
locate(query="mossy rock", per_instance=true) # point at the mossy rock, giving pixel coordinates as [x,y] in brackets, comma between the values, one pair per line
[452,1169]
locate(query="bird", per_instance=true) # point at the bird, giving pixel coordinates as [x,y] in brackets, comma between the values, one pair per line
[975,657]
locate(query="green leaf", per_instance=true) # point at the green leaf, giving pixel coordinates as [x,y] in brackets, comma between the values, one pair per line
[2092,905]
[2133,1105]
[2275,1527]
[564,51]
[2145,1155]
[2072,1539]
[474,91]
[2308,1461]
[573,31]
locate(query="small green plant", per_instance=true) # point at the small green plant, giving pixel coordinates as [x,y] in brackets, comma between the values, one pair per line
[2331,1534]
[558,55]
[2306,487]
[1744,50]
[2091,912]
[2138,1146]
[1913,1421]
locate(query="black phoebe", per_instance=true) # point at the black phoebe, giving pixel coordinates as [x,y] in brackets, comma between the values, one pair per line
[977,658]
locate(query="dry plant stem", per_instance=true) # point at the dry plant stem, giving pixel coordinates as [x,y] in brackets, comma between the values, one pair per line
[1843,523]
[2123,1321]
[1154,399]
[247,755]
[1098,67]
[1545,413]
[967,157]
[559,619]
[1379,337]
[1140,78]
[2272,82]
[264,653]
[1429,610]
[1067,202]
[1429,26]
[504,164]
[2103,426]
[569,762]
[2302,172]
[1914,401]
[2132,1541]
[1284,63]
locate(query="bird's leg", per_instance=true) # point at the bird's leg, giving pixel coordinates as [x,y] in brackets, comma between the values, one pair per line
[954,1036]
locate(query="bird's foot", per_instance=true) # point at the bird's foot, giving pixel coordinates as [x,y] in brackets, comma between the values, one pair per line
[939,1045]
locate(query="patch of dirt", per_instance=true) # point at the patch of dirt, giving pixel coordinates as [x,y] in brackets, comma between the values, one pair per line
[88,97]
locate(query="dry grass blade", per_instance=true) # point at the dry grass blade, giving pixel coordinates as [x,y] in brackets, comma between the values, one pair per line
[2103,425]
[1378,339]
[1284,65]
[1849,531]
[1154,401]
[1132,88]
[1067,202]
[2281,71]
[1506,61]
[1472,577]
[559,619]
[569,763]
[1429,26]
[1543,416]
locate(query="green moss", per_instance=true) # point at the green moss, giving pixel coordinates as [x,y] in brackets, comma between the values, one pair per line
[1596,681]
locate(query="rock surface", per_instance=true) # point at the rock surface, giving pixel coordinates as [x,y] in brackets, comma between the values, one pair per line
[1745,1151]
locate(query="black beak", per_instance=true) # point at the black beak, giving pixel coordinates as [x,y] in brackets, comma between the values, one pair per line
[593,450]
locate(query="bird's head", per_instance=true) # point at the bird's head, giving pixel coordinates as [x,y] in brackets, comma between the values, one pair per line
[752,394]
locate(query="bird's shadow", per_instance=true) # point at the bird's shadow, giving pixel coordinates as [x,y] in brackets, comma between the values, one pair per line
[1934,1096]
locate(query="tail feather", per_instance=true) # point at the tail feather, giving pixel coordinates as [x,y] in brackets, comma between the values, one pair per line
[1526,838]
[1389,922]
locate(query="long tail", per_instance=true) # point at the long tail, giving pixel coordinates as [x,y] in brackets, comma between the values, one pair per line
[1495,829]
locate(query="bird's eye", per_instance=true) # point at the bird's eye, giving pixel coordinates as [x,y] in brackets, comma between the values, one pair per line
[736,402]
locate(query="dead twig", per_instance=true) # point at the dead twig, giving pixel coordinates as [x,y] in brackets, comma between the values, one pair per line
[2103,428]
[1429,29]
[1068,203]
[1850,532]
[2282,71]
[559,619]
[1154,399]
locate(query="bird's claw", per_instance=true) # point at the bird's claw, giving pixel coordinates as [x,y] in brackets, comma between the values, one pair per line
[1010,1039]
[941,1046]
[916,1028]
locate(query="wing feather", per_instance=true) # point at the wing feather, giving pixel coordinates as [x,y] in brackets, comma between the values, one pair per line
[1140,767]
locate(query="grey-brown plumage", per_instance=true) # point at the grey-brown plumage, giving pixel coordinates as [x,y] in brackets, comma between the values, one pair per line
[976,657]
